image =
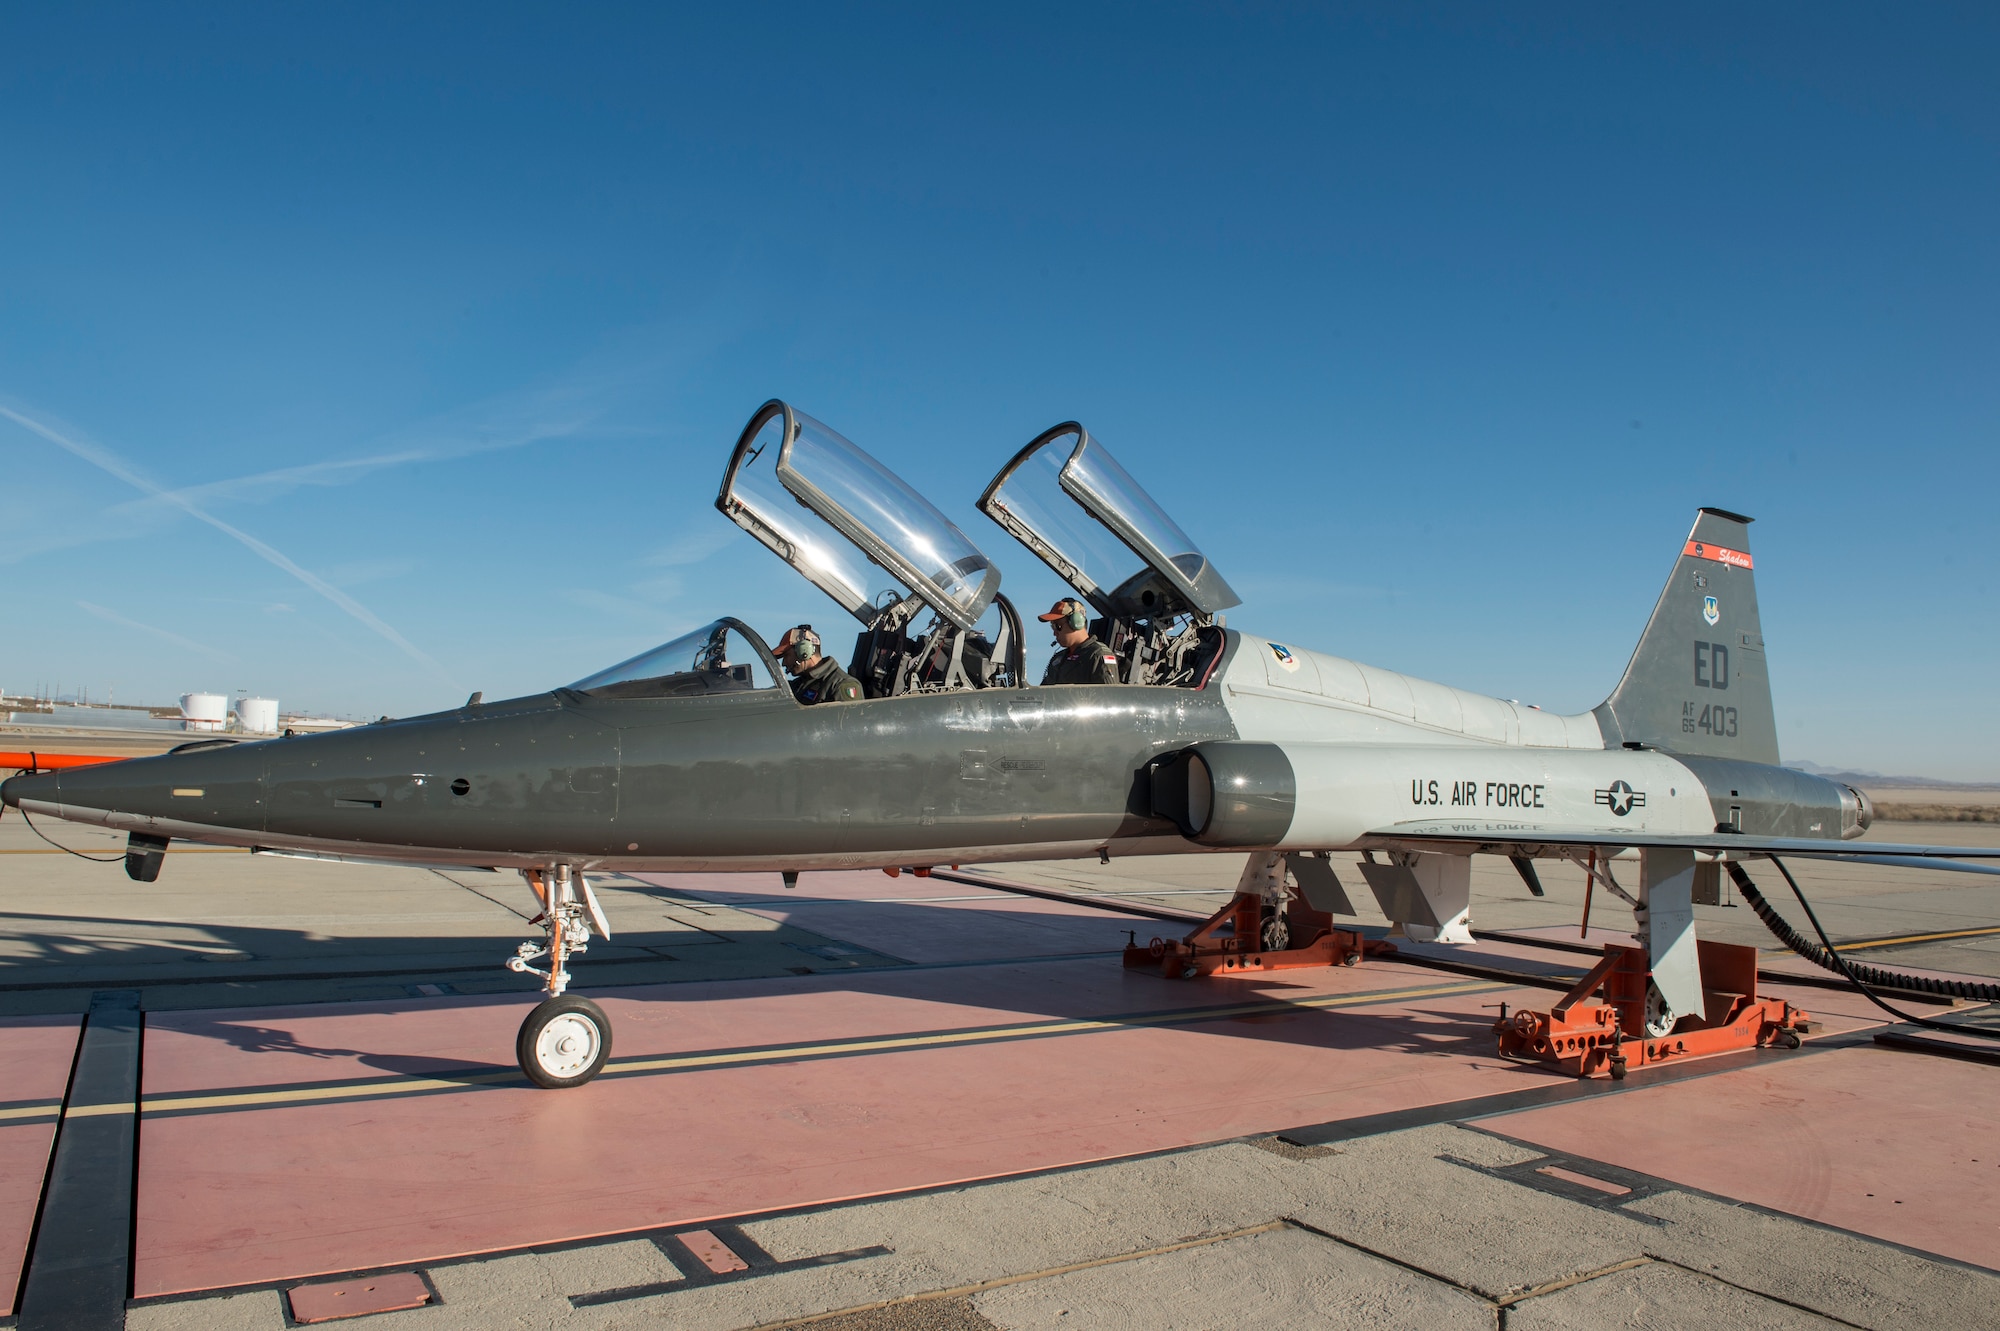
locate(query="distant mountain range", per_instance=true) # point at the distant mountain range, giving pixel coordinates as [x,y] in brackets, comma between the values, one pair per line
[1879,779]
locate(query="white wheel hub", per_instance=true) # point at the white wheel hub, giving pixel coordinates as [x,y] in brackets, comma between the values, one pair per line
[1660,1017]
[567,1045]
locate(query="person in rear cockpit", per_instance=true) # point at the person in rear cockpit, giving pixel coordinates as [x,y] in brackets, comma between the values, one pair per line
[815,678]
[1079,658]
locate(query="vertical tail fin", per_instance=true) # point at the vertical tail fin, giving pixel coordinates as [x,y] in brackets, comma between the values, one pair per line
[1698,683]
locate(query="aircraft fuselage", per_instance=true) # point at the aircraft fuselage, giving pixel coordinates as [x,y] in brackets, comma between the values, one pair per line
[755,781]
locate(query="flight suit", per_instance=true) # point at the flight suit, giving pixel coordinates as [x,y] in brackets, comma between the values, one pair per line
[1089,662]
[826,682]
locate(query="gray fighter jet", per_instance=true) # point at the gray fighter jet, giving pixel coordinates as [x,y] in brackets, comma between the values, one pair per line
[693,756]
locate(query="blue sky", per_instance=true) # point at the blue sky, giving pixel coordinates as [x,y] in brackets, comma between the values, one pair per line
[364,357]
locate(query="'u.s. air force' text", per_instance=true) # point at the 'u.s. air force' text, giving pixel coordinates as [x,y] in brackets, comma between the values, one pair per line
[1472,794]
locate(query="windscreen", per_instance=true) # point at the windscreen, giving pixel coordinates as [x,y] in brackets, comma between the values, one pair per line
[717,658]
[1033,495]
[819,551]
[884,507]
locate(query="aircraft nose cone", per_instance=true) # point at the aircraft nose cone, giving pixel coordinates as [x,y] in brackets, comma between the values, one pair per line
[28,786]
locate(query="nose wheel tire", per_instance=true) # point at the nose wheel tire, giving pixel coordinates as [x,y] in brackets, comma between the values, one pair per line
[564,1042]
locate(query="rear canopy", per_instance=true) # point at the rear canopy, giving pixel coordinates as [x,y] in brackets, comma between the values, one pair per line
[1121,551]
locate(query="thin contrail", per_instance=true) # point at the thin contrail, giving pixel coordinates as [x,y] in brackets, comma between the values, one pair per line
[113,617]
[108,462]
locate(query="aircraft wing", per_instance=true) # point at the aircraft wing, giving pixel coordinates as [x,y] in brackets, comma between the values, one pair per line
[1521,838]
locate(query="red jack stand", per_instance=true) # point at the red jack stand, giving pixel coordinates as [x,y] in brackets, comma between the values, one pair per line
[1584,1037]
[1307,939]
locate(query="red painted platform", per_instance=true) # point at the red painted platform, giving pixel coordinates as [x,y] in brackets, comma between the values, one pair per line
[713,1109]
[37,1053]
[1899,1146]
[283,1144]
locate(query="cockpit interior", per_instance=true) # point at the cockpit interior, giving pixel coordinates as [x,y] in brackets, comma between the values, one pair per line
[1158,598]
[928,600]
[883,552]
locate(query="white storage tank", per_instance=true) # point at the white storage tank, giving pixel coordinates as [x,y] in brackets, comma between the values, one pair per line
[204,711]
[258,716]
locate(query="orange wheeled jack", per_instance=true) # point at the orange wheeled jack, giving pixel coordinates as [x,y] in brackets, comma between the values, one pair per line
[1256,940]
[1583,1036]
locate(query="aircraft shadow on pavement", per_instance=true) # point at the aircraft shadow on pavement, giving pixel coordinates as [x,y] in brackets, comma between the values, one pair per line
[1030,983]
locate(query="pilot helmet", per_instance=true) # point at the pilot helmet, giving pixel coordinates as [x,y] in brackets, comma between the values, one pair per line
[1066,614]
[798,646]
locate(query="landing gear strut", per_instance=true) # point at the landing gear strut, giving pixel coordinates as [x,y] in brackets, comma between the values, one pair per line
[566,1040]
[1269,927]
[1615,1017]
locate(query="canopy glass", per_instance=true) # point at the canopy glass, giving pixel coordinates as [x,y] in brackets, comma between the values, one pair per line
[723,657]
[849,524]
[1066,498]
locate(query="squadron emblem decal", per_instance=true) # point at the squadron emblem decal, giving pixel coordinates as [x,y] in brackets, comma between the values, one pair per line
[1621,799]
[1285,658]
[1710,611]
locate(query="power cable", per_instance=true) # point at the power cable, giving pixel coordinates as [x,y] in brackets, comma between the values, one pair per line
[1829,957]
[61,847]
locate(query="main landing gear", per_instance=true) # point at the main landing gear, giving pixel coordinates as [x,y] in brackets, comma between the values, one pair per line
[566,1040]
[1672,997]
[1615,1017]
[1267,926]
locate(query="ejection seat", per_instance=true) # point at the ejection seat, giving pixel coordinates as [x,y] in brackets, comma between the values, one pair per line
[1158,598]
[859,533]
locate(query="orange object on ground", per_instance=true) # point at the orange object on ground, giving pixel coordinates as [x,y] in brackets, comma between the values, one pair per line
[1584,1037]
[31,761]
[1311,940]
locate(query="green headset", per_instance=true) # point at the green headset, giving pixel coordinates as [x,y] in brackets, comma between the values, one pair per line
[1075,619]
[801,646]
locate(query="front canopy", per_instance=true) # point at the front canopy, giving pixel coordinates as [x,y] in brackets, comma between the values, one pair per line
[854,528]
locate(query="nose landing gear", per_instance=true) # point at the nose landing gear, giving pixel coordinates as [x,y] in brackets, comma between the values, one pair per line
[566,1040]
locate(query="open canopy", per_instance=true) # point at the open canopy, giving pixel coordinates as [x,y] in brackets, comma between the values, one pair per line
[849,524]
[1066,498]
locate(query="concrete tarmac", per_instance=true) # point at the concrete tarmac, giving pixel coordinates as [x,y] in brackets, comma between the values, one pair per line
[1731,1197]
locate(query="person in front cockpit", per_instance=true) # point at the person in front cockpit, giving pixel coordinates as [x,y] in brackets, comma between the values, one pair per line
[816,678]
[1079,658]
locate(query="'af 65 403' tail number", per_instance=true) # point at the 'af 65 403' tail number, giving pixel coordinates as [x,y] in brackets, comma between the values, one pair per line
[1714,720]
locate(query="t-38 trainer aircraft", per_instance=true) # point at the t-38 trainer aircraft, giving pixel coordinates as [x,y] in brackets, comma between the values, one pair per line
[693,756]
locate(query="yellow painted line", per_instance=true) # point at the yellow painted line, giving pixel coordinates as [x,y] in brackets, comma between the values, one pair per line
[727,1058]
[1983,932]
[99,1111]
[308,1094]
[18,1112]
[1187,1016]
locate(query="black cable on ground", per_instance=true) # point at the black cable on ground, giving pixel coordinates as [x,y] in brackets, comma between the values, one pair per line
[1858,974]
[61,847]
